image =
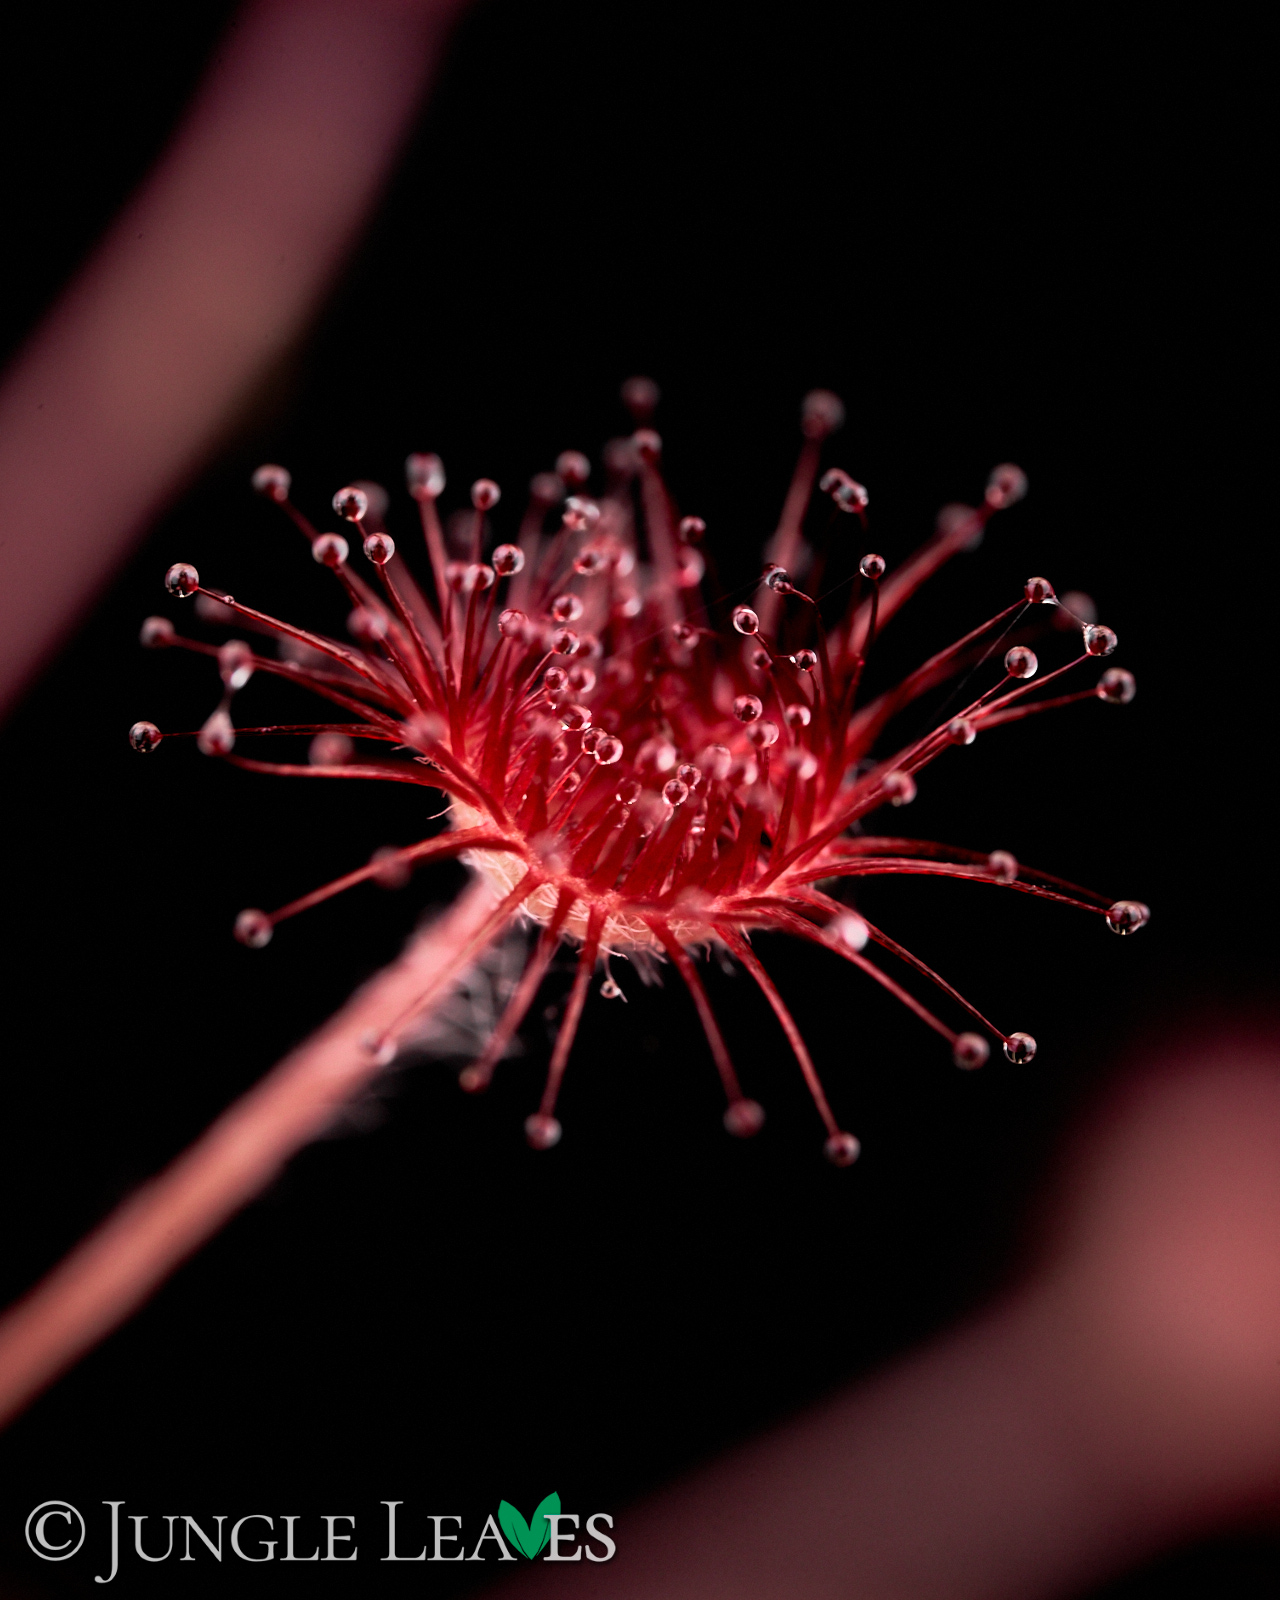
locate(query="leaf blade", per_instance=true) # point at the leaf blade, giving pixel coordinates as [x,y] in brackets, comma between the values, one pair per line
[517,1530]
[539,1527]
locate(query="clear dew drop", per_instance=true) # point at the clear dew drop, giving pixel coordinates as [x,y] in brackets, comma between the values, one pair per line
[1116,686]
[656,755]
[235,664]
[144,737]
[217,737]
[899,788]
[253,928]
[802,762]
[961,731]
[330,550]
[541,1132]
[1099,641]
[1038,591]
[640,396]
[424,475]
[330,750]
[589,563]
[572,468]
[485,494]
[1003,866]
[745,620]
[848,494]
[391,870]
[1006,485]
[716,760]
[970,1051]
[675,793]
[842,1149]
[580,514]
[182,580]
[849,931]
[1020,1048]
[379,548]
[872,566]
[1127,916]
[508,559]
[647,444]
[367,625]
[821,413]
[351,504]
[1021,662]
[744,1118]
[690,568]
[272,481]
[744,771]
[851,496]
[156,633]
[747,707]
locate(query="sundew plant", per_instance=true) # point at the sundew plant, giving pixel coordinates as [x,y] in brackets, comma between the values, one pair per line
[642,767]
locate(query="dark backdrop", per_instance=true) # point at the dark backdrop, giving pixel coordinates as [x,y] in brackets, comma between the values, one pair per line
[997,240]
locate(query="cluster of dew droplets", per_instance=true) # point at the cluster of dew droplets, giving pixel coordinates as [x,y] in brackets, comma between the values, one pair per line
[236,664]
[550,646]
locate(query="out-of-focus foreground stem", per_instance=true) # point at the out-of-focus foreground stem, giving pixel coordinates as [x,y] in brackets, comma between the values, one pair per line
[109,1275]
[1125,1398]
[207,278]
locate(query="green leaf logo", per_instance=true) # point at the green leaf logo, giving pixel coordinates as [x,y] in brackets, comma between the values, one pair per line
[529,1538]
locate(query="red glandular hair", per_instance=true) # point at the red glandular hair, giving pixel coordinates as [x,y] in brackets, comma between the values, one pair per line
[636,779]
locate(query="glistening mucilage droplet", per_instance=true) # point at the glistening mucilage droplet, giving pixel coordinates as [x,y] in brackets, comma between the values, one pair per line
[970,1051]
[745,620]
[1127,916]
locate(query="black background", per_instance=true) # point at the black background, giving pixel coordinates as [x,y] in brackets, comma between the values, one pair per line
[998,240]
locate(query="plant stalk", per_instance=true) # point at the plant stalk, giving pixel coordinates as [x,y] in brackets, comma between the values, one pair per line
[118,1266]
